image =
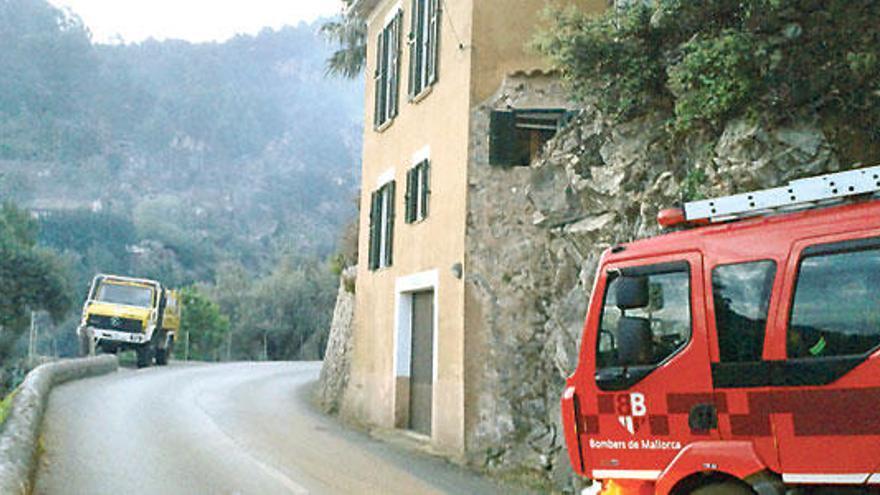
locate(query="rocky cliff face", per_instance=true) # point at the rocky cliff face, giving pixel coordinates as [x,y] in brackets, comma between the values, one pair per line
[535,235]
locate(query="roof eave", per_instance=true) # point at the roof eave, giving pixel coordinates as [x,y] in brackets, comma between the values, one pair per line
[362,8]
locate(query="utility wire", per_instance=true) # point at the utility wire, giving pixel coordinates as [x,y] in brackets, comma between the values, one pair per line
[452,25]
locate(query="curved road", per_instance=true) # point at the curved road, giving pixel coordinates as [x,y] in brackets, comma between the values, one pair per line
[231,429]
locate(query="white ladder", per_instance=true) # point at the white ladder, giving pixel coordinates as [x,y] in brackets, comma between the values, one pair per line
[797,194]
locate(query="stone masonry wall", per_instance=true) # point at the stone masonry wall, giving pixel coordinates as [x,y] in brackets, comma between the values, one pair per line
[336,369]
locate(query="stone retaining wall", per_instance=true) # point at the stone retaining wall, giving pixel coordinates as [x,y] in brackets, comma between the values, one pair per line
[336,369]
[19,435]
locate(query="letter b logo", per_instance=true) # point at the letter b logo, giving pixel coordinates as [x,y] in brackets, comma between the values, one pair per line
[632,410]
[637,405]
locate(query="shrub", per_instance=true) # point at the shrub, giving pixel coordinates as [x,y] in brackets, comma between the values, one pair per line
[612,60]
[714,60]
[716,78]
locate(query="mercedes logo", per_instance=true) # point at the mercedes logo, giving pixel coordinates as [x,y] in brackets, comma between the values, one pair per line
[116,321]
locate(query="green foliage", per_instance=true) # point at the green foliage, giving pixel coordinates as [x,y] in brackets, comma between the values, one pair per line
[283,315]
[275,316]
[715,78]
[31,278]
[720,59]
[43,43]
[349,33]
[172,160]
[15,185]
[18,231]
[351,56]
[234,150]
[6,406]
[618,51]
[337,264]
[79,230]
[207,328]
[693,184]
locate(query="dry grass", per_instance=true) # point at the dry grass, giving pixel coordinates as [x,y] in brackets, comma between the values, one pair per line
[6,406]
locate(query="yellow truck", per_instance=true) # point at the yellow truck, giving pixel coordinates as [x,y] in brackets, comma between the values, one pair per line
[123,313]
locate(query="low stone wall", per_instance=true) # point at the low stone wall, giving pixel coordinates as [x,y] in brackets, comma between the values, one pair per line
[19,435]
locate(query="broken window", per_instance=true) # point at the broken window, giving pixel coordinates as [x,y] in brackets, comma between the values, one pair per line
[517,136]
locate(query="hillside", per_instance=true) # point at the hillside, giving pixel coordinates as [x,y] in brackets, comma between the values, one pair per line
[239,149]
[230,166]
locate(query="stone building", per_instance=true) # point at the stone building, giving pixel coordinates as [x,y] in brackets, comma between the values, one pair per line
[452,91]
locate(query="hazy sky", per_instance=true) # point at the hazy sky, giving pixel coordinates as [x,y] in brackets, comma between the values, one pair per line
[193,20]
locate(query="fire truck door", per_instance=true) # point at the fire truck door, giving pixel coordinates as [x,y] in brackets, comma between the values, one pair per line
[654,392]
[741,373]
[828,387]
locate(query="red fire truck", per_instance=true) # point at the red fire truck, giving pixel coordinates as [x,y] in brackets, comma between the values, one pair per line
[739,354]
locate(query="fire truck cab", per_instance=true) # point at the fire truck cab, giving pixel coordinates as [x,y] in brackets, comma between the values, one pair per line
[738,356]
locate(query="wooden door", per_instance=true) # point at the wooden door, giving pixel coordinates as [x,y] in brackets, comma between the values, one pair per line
[422,377]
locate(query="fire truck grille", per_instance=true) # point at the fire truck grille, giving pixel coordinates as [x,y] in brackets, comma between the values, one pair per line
[115,323]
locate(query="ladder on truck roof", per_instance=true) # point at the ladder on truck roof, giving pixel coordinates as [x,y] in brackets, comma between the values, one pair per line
[797,194]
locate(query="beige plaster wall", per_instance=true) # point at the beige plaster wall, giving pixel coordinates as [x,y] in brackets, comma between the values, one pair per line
[480,42]
[439,121]
[505,30]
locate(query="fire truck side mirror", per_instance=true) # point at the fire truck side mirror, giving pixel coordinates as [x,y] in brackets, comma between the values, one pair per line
[635,347]
[633,292]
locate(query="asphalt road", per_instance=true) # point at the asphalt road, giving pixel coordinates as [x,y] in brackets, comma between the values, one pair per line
[222,429]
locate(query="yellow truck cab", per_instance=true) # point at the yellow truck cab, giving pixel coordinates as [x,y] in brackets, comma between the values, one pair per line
[123,313]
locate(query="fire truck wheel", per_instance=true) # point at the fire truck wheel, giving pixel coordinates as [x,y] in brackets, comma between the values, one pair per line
[143,356]
[726,488]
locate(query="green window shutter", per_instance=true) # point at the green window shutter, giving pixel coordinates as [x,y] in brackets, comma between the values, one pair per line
[414,199]
[378,111]
[374,232]
[408,198]
[389,232]
[426,187]
[386,61]
[433,52]
[502,138]
[414,44]
[394,69]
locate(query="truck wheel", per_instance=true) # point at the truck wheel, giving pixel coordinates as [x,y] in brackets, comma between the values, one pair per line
[161,357]
[726,488]
[144,355]
[85,345]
